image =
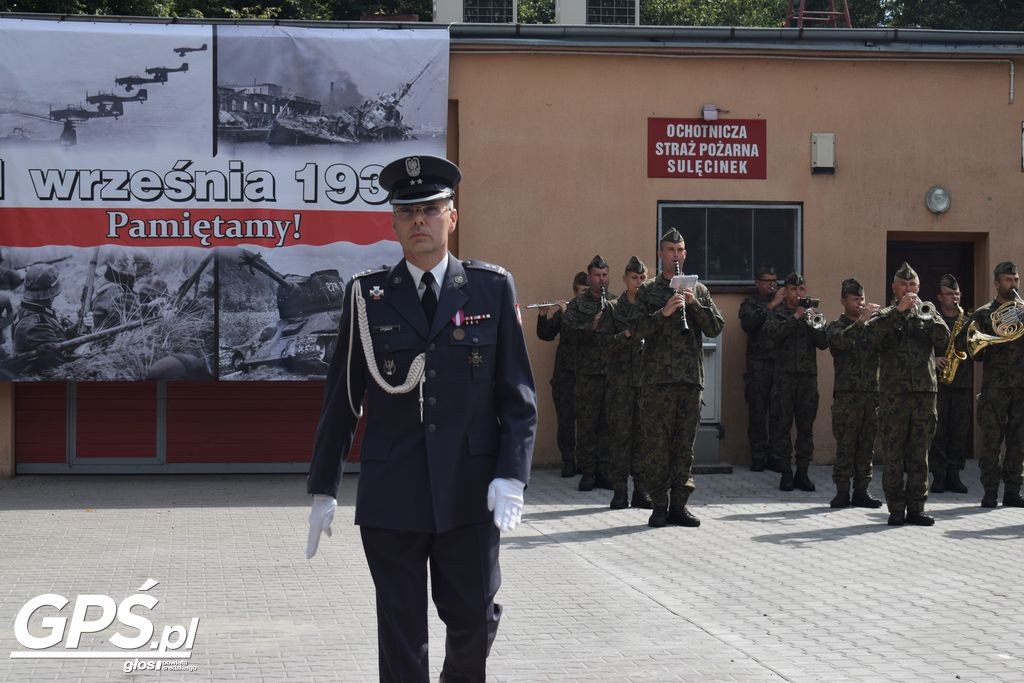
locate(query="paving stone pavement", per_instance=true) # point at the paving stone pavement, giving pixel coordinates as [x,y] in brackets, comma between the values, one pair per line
[774,586]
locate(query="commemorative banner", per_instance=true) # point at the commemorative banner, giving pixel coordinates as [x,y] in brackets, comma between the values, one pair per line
[189,201]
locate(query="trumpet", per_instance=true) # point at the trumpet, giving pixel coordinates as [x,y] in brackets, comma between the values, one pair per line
[925,310]
[816,320]
[545,304]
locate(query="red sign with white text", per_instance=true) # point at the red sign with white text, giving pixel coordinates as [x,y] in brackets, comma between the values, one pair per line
[695,148]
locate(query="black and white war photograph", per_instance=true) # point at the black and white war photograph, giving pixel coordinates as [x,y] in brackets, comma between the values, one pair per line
[279,308]
[106,313]
[117,88]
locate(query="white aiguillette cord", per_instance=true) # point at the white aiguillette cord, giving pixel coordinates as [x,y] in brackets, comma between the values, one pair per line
[415,376]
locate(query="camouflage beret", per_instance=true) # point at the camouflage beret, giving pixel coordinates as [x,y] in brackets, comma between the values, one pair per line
[764,269]
[580,280]
[635,265]
[1005,268]
[795,279]
[597,262]
[905,272]
[851,286]
[949,282]
[672,236]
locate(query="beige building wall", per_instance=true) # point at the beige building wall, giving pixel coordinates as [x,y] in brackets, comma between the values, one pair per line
[553,148]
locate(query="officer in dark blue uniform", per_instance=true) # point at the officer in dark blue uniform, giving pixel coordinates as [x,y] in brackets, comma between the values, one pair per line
[436,346]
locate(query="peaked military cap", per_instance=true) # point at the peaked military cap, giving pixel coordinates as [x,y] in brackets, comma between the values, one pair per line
[635,265]
[905,272]
[795,279]
[672,236]
[851,286]
[581,279]
[418,179]
[597,262]
[764,269]
[949,282]
[1005,268]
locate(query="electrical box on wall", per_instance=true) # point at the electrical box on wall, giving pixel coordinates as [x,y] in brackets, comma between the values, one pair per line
[823,152]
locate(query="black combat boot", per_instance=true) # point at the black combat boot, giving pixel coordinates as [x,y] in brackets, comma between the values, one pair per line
[917,517]
[953,482]
[757,463]
[802,480]
[1012,499]
[842,499]
[659,517]
[603,482]
[568,466]
[587,482]
[938,483]
[680,516]
[773,465]
[641,499]
[862,499]
[786,482]
[619,500]
[897,516]
[991,498]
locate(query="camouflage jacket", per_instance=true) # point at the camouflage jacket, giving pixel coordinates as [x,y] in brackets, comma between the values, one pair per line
[590,346]
[624,353]
[672,356]
[1003,363]
[906,349]
[548,329]
[796,342]
[855,358]
[962,378]
[754,312]
[37,325]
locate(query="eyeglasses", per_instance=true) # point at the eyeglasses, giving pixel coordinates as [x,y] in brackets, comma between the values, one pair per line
[429,211]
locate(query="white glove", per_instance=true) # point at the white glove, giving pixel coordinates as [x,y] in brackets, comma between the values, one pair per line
[320,518]
[505,497]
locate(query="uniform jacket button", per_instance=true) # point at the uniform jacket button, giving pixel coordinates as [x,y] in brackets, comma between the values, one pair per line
[431,428]
[431,373]
[431,401]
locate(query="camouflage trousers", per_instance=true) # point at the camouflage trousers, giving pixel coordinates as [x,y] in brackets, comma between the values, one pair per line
[622,407]
[949,447]
[563,393]
[757,388]
[591,446]
[794,397]
[854,425]
[906,424]
[669,417]
[1001,418]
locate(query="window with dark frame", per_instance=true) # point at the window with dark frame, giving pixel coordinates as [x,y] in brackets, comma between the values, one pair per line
[487,11]
[725,243]
[615,12]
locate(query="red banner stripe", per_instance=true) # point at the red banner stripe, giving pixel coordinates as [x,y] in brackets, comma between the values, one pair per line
[89,227]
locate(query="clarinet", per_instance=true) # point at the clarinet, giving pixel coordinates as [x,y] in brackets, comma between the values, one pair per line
[604,298]
[686,325]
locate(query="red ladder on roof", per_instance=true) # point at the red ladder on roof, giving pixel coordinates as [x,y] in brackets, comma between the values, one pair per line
[829,17]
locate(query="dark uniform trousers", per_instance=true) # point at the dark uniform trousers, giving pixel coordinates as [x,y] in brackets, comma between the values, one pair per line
[757,385]
[623,410]
[563,393]
[949,448]
[464,578]
[591,449]
[794,396]
[1001,417]
[906,424]
[670,415]
[854,426]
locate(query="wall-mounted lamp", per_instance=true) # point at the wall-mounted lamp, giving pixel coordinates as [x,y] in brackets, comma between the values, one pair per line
[937,199]
[710,112]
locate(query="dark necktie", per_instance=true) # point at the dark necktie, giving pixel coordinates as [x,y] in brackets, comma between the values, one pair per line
[429,299]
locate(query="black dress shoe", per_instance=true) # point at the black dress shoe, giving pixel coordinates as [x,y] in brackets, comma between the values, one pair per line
[659,518]
[897,518]
[938,483]
[802,480]
[619,501]
[919,519]
[587,482]
[603,482]
[953,482]
[786,482]
[641,499]
[990,499]
[842,498]
[862,499]
[682,517]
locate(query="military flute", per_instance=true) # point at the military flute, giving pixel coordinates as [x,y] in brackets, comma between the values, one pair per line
[545,304]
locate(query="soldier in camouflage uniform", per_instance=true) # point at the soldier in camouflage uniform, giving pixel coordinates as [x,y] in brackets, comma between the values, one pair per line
[949,447]
[1001,402]
[757,379]
[795,387]
[854,398]
[563,379]
[673,379]
[623,394]
[588,328]
[906,417]
[37,324]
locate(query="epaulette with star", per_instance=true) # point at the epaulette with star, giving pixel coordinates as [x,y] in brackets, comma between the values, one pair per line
[371,271]
[483,265]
